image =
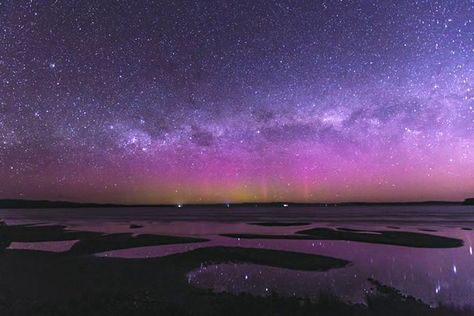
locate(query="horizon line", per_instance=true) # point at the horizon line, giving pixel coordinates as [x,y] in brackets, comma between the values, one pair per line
[228,204]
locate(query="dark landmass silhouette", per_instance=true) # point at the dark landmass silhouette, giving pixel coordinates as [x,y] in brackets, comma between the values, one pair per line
[469,201]
[397,238]
[19,203]
[118,241]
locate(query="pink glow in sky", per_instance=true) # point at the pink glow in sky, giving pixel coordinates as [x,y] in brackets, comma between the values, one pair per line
[234,102]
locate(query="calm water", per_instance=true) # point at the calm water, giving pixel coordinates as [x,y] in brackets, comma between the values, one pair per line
[433,275]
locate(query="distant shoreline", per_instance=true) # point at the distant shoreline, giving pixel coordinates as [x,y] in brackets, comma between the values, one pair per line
[36,204]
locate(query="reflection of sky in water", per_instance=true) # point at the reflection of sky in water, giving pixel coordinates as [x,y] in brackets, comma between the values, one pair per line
[51,246]
[433,275]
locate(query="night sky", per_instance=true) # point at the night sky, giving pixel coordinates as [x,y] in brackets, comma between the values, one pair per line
[231,101]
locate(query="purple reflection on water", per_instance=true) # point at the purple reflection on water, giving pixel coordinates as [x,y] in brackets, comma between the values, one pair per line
[51,246]
[433,275]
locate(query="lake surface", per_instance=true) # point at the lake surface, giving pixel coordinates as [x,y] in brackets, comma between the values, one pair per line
[434,275]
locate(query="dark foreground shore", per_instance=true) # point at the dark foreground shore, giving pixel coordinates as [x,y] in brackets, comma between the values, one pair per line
[77,283]
[35,283]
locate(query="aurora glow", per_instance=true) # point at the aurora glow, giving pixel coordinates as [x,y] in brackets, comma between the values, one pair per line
[230,101]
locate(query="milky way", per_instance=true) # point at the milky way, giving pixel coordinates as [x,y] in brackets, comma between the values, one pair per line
[230,101]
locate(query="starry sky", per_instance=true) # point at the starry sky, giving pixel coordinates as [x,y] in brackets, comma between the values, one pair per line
[233,101]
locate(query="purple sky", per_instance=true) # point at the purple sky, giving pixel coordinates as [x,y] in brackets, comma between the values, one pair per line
[231,101]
